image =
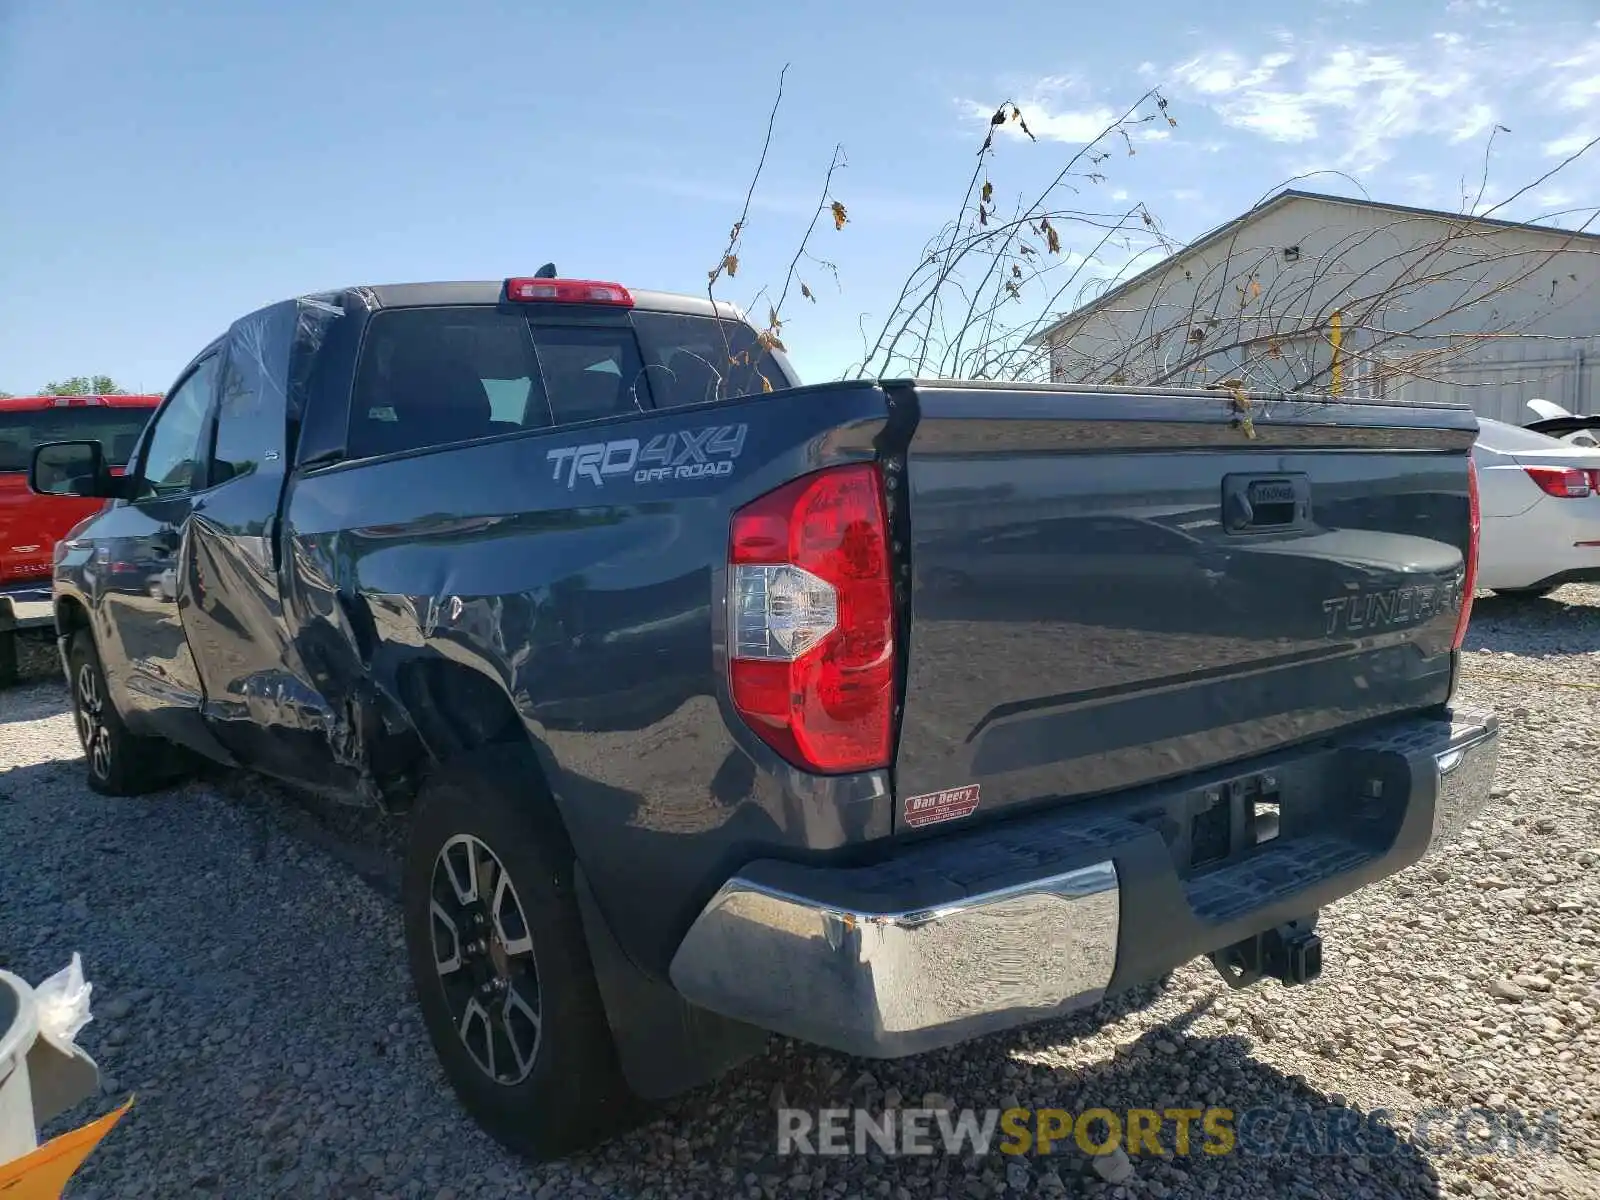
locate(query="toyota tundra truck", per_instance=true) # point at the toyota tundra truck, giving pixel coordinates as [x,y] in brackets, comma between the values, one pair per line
[881,714]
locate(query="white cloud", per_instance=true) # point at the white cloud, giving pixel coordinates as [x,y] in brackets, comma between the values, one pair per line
[1575,81]
[1224,72]
[1280,116]
[1359,100]
[1476,122]
[1569,144]
[1410,118]
[1078,126]
[1490,201]
[1186,195]
[1064,108]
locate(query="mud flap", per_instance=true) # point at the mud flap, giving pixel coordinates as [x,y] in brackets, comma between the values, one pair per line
[665,1044]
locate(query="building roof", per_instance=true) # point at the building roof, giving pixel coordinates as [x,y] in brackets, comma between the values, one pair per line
[1276,201]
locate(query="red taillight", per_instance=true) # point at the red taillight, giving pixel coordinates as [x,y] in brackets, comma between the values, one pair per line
[1469,582]
[811,620]
[1569,483]
[568,291]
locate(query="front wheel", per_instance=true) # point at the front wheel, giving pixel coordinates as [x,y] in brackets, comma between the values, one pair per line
[499,961]
[120,763]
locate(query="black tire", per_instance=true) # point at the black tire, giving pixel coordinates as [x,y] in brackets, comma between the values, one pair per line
[118,763]
[564,1091]
[8,658]
[1533,593]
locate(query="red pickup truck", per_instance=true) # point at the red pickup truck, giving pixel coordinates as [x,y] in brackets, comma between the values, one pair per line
[30,525]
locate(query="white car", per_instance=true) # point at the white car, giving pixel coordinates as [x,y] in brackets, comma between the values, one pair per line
[1564,426]
[1540,504]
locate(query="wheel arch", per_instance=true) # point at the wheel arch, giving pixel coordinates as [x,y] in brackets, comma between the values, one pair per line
[71,614]
[665,1045]
[456,709]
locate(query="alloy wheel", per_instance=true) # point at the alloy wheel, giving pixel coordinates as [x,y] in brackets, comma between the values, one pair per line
[483,952]
[92,729]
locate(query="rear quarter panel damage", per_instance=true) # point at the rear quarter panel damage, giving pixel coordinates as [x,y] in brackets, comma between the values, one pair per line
[583,573]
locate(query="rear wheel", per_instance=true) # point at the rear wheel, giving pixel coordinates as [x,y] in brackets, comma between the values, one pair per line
[120,763]
[500,964]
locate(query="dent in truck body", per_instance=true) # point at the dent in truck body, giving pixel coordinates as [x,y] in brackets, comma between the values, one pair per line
[253,687]
[576,603]
[529,586]
[265,699]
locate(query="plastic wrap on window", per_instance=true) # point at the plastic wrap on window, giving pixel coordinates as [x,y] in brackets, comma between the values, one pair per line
[274,348]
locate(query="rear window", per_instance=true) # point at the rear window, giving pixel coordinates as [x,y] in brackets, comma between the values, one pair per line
[116,429]
[431,376]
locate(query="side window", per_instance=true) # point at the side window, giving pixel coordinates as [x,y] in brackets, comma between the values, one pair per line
[691,360]
[174,461]
[247,427]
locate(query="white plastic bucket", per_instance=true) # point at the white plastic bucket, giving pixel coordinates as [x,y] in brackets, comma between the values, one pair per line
[43,1071]
[19,1029]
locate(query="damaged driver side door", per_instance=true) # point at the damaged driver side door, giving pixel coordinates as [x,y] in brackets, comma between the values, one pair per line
[257,701]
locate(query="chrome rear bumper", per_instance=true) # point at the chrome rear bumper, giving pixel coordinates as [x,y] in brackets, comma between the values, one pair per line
[836,956]
[888,983]
[1465,772]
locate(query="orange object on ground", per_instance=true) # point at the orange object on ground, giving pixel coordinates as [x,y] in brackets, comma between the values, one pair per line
[42,1174]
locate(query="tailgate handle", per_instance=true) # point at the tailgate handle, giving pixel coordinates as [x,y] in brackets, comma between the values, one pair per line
[1274,503]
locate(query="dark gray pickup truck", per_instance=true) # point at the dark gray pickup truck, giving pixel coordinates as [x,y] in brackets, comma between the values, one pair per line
[881,714]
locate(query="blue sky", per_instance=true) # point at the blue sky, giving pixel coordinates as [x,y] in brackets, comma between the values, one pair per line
[170,166]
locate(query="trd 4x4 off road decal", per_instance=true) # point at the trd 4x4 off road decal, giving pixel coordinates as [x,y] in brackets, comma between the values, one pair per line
[681,454]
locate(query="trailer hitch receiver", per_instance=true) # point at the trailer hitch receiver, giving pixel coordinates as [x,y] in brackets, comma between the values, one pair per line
[1291,953]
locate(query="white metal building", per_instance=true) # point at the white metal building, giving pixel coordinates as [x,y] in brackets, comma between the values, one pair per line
[1329,294]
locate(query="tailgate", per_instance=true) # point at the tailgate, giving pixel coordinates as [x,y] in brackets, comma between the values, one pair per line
[1112,589]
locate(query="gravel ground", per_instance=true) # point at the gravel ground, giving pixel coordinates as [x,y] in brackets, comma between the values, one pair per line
[250,989]
[36,657]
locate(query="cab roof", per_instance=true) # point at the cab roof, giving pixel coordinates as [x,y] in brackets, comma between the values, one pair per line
[492,291]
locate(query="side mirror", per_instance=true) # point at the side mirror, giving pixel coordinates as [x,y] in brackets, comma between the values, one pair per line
[72,469]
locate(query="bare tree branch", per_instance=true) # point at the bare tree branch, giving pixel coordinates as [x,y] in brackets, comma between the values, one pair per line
[1414,293]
